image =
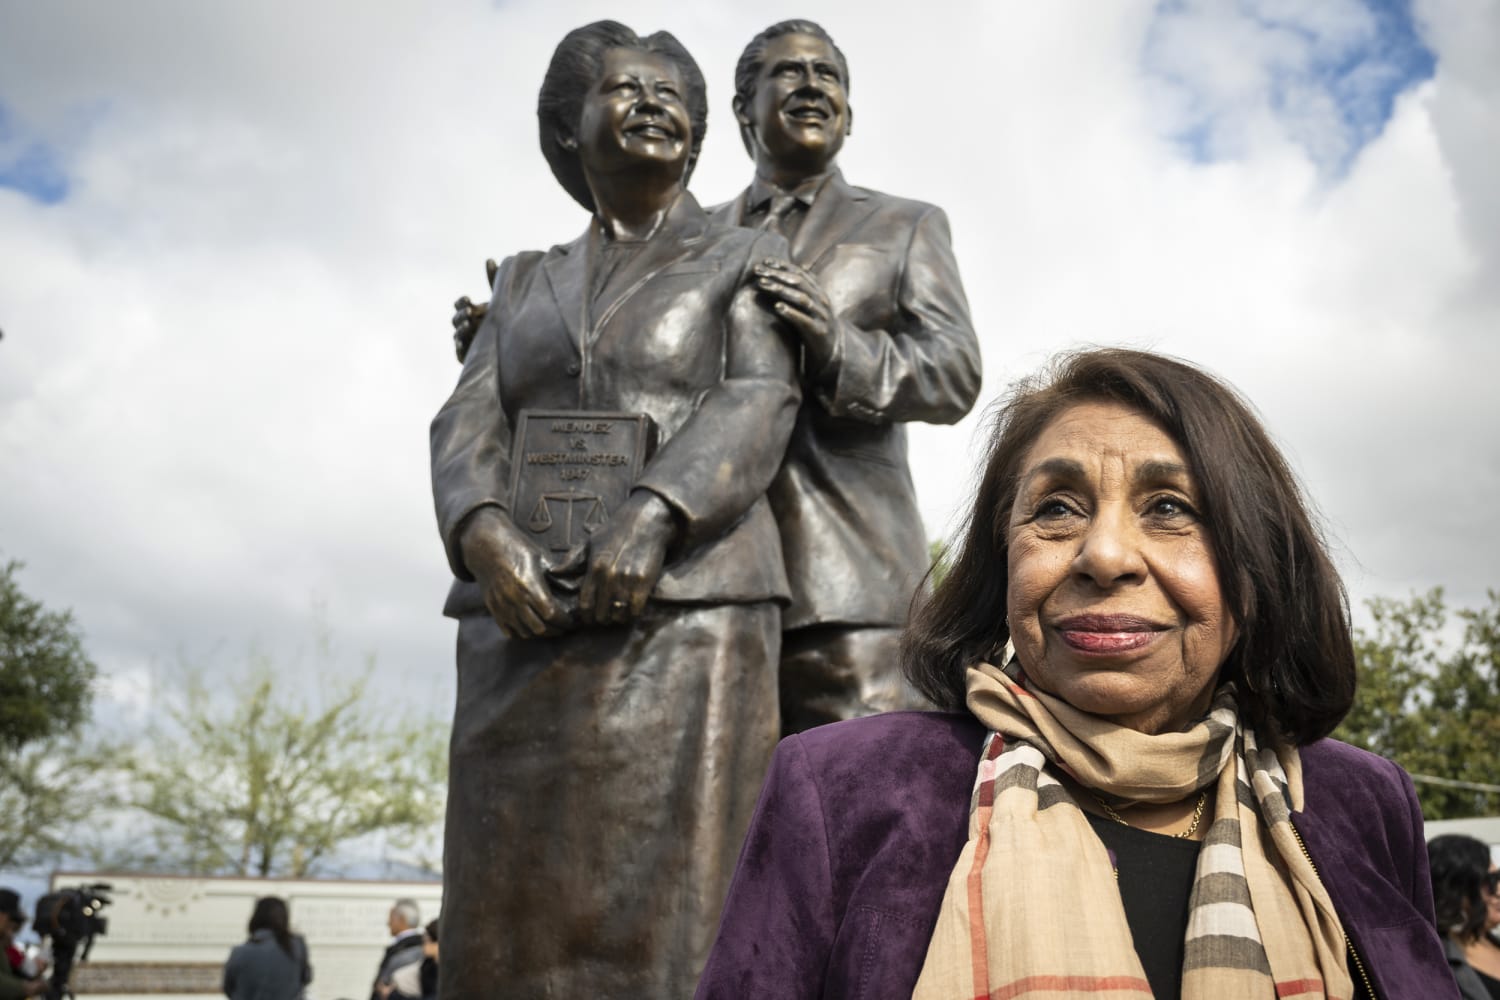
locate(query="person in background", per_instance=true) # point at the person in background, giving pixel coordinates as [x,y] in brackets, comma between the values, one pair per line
[14,984]
[1466,891]
[405,922]
[430,958]
[273,964]
[416,980]
[12,919]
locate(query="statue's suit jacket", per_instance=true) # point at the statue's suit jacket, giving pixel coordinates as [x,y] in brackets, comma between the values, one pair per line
[686,343]
[844,502]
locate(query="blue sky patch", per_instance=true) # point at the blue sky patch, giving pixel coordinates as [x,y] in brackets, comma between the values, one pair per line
[28,165]
[1327,73]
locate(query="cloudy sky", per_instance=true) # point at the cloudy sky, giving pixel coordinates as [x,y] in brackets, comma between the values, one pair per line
[230,235]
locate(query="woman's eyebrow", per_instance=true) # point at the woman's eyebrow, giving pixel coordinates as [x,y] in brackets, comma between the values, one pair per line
[1066,469]
[1160,471]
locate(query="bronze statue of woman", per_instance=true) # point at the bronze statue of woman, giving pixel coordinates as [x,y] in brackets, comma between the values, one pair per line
[619,623]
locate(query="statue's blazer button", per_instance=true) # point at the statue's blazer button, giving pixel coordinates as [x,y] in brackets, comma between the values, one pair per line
[573,369]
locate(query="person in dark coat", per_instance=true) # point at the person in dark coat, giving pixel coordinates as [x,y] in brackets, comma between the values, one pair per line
[16,982]
[415,980]
[1466,893]
[273,964]
[405,947]
[616,711]
[872,291]
[1141,647]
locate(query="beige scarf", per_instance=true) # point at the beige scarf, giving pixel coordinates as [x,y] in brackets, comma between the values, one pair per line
[1032,908]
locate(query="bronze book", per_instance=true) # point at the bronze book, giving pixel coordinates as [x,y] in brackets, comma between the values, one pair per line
[570,470]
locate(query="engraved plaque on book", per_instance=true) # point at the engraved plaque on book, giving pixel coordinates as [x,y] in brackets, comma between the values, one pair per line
[571,470]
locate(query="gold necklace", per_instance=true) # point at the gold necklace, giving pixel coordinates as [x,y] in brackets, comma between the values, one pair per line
[1192,827]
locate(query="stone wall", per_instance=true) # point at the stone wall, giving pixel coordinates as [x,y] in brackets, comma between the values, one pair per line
[148,978]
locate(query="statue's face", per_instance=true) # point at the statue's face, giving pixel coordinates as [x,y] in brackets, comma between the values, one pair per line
[635,114]
[800,110]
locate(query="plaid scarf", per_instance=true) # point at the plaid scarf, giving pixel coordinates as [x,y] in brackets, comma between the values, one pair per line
[1032,908]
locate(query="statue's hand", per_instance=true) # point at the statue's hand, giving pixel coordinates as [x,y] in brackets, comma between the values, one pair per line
[466,319]
[795,296]
[625,560]
[467,316]
[511,573]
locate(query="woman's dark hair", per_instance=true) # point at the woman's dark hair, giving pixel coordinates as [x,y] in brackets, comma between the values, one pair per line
[575,69]
[270,915]
[1460,865]
[1293,662]
[431,930]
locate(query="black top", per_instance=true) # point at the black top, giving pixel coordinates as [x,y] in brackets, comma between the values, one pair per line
[1156,880]
[1490,983]
[1155,873]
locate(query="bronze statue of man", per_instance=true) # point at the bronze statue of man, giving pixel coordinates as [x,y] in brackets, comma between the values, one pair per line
[600,475]
[875,298]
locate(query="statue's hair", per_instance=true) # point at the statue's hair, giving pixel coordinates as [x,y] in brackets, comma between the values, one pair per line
[754,58]
[575,68]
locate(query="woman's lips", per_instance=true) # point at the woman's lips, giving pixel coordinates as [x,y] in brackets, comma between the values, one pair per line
[1108,633]
[1107,642]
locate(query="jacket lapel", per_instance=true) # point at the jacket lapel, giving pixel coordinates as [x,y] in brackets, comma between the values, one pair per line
[566,267]
[837,210]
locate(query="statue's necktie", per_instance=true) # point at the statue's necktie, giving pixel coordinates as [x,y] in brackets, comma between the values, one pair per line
[779,218]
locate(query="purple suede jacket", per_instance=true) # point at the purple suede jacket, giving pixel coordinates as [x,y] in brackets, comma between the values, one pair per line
[860,823]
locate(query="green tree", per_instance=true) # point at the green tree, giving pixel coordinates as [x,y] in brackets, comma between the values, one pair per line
[49,784]
[1431,706]
[940,557]
[46,678]
[50,790]
[254,779]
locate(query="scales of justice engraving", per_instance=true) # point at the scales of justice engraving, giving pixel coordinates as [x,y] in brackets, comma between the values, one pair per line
[595,517]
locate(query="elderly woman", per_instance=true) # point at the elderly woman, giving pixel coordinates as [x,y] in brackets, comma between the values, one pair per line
[1141,800]
[617,703]
[1466,891]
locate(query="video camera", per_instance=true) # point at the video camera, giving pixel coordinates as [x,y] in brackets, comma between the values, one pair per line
[70,917]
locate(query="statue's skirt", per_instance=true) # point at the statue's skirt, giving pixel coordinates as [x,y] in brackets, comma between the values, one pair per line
[600,785]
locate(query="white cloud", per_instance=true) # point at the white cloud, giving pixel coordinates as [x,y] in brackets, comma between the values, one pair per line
[222,350]
[1228,74]
[131,694]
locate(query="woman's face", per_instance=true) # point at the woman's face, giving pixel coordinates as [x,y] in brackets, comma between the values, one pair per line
[1114,599]
[635,114]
